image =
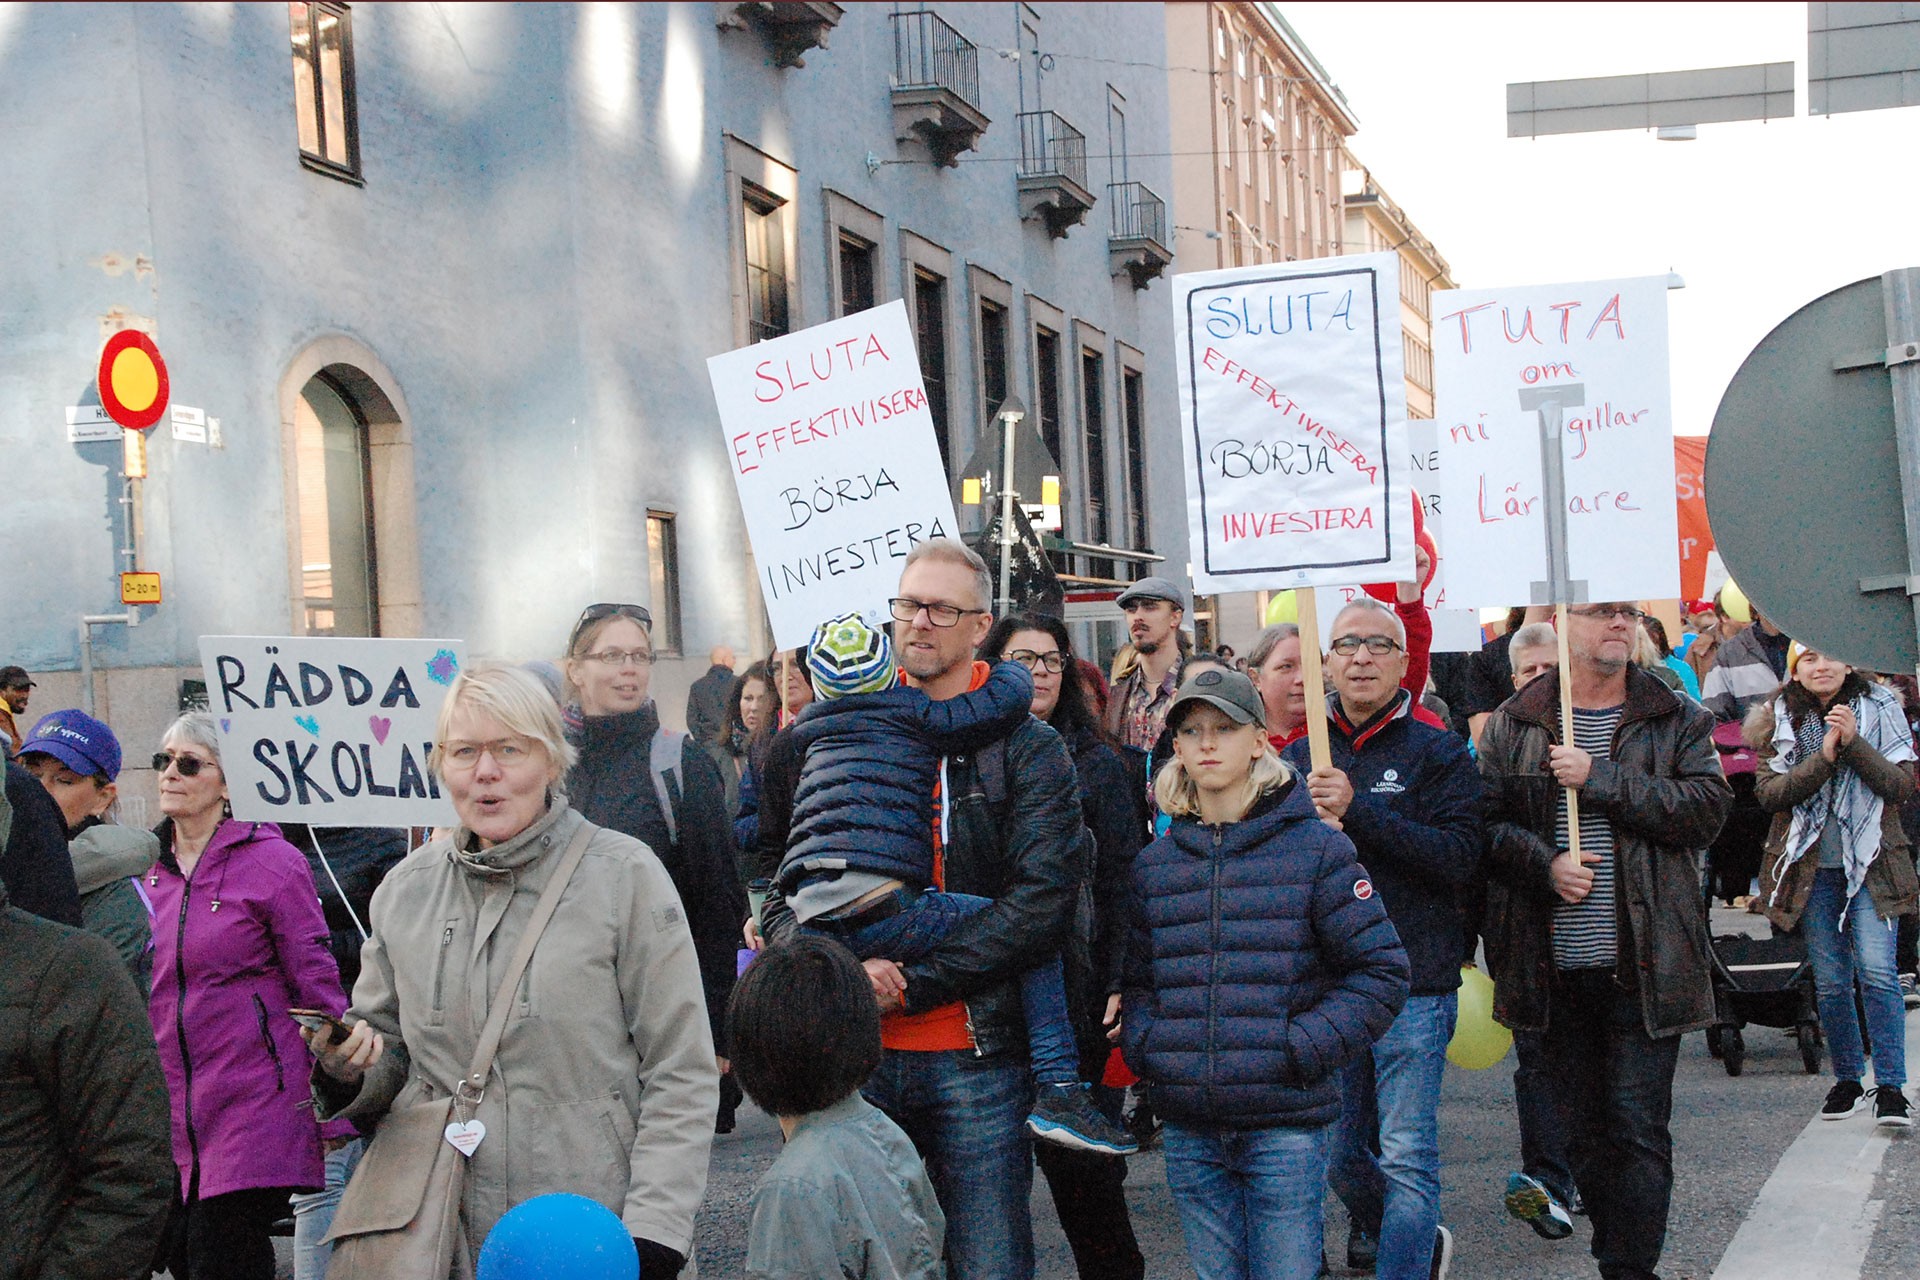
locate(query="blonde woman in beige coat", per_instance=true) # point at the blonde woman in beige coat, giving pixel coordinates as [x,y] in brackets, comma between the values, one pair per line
[604,1084]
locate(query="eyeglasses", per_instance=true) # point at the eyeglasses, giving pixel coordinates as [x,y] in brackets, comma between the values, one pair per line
[940,615]
[1053,660]
[185,765]
[599,612]
[621,657]
[1378,646]
[506,752]
[1609,611]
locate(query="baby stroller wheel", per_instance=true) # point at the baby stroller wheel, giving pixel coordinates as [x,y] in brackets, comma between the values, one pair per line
[1810,1047]
[1733,1051]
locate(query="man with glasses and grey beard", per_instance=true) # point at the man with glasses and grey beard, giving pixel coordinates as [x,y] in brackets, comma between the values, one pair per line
[1007,823]
[1605,952]
[1406,793]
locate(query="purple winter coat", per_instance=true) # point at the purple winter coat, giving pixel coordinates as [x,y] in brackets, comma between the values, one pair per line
[245,941]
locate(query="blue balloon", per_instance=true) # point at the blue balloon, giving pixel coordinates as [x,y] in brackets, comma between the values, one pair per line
[559,1237]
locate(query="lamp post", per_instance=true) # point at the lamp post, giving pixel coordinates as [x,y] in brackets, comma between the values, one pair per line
[1009,415]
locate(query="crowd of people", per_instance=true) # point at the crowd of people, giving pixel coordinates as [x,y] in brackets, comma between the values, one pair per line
[1008,908]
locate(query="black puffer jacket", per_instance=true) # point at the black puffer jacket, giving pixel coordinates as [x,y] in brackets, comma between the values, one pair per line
[1261,962]
[870,766]
[612,786]
[86,1166]
[1015,835]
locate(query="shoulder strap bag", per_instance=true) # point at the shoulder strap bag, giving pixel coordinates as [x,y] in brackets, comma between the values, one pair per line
[400,1214]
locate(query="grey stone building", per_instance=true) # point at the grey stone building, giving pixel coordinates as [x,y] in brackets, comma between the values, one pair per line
[443,279]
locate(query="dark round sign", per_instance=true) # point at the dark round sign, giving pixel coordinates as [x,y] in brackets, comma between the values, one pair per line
[1803,482]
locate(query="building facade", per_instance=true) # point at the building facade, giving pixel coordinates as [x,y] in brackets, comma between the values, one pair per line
[1375,224]
[442,281]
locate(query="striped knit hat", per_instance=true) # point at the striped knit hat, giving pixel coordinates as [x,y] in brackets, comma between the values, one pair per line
[846,655]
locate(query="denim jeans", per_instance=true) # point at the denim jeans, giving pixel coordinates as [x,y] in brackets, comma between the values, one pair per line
[1249,1199]
[1616,1091]
[1862,951]
[1543,1124]
[313,1213]
[1396,1086]
[967,1116]
[916,931]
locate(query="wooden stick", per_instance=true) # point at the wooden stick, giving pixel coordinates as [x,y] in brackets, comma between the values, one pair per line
[1316,684]
[1566,726]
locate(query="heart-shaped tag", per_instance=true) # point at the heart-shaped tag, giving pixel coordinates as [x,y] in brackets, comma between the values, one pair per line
[465,1137]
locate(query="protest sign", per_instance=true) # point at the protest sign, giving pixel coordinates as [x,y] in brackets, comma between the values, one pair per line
[1696,535]
[1293,416]
[1454,630]
[1598,352]
[333,731]
[834,455]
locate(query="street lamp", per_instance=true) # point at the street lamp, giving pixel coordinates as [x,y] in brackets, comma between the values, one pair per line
[1009,415]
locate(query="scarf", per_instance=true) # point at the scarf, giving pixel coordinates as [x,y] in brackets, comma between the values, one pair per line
[1844,799]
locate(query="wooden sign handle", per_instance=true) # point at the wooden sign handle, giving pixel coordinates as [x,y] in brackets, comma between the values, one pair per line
[1316,684]
[1566,726]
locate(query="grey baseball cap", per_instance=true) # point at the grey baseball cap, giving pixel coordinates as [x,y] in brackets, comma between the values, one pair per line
[1154,589]
[1228,691]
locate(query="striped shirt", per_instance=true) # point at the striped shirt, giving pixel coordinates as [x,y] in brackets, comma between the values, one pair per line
[1584,932]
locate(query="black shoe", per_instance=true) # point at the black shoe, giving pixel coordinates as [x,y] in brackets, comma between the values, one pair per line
[1575,1204]
[1890,1108]
[1064,1115]
[1363,1247]
[1529,1200]
[1143,1124]
[1845,1098]
[1442,1253]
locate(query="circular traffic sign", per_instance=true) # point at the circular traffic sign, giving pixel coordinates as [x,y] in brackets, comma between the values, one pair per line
[132,380]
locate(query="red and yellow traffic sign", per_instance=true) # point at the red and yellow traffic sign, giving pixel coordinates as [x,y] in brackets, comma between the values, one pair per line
[132,380]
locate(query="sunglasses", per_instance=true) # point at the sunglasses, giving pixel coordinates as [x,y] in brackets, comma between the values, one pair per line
[187,766]
[601,612]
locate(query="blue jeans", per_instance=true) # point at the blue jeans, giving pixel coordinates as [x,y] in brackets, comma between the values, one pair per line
[313,1213]
[913,933]
[967,1116]
[1863,951]
[1543,1125]
[1249,1199]
[1397,1087]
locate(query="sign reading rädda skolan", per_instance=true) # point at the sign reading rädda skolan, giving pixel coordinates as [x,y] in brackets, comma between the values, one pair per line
[333,731]
[1294,424]
[833,452]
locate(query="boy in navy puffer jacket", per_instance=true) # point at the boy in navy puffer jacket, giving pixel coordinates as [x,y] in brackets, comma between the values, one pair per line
[860,863]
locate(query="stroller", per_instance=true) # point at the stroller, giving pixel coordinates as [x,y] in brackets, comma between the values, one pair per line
[1765,981]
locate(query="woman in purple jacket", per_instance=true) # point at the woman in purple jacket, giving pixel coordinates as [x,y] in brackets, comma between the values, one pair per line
[239,938]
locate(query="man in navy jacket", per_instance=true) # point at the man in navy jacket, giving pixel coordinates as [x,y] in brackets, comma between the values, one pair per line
[1409,797]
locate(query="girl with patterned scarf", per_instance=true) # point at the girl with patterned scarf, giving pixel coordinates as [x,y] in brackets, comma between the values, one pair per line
[1836,761]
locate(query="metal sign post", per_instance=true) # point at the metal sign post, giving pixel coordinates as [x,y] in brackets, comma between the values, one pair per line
[1901,293]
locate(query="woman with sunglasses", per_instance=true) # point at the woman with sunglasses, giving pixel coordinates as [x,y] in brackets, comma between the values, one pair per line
[662,789]
[1088,1192]
[239,938]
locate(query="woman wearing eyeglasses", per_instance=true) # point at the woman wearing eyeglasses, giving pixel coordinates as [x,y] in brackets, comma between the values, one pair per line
[1087,1187]
[239,938]
[661,788]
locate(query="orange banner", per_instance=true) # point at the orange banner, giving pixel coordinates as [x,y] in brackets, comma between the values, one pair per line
[1690,487]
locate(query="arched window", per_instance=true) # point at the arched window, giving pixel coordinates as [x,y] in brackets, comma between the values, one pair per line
[337,572]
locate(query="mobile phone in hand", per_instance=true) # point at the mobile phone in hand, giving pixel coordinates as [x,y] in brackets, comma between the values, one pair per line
[316,1021]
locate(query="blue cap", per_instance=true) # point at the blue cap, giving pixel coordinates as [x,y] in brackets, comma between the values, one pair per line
[78,741]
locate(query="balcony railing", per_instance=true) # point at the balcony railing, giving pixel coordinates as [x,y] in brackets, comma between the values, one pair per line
[1138,214]
[929,54]
[1051,148]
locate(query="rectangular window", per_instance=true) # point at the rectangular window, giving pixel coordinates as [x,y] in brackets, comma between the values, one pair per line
[1046,357]
[993,358]
[766,244]
[856,273]
[1093,405]
[323,88]
[1133,411]
[930,336]
[1419,361]
[663,576]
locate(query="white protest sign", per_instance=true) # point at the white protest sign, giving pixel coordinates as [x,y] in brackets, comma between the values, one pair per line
[1603,346]
[1293,417]
[329,730]
[1454,630]
[833,452]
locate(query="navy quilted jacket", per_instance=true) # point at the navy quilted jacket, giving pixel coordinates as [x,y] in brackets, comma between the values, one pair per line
[1261,961]
[870,764]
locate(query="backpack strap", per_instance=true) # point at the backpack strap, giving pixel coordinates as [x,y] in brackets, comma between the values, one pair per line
[665,761]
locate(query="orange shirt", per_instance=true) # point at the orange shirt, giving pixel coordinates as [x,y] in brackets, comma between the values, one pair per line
[944,1027]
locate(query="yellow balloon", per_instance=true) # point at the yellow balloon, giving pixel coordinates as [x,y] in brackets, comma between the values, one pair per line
[1478,1041]
[1735,602]
[1283,606]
